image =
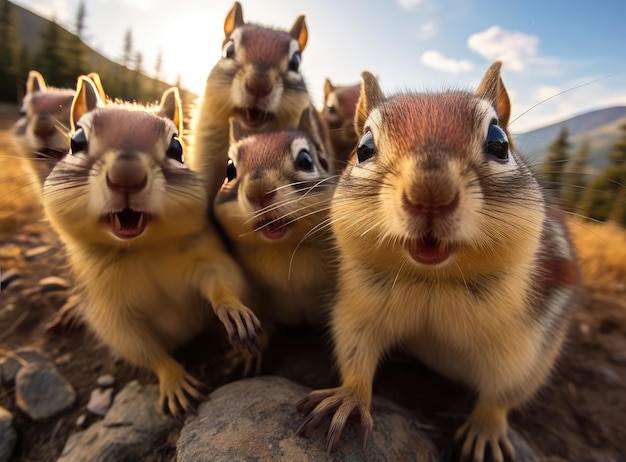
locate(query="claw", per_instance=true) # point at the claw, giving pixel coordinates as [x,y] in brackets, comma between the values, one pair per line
[242,327]
[485,431]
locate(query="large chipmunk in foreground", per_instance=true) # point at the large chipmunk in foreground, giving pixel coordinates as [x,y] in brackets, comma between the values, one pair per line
[257,81]
[450,249]
[133,219]
[41,133]
[338,117]
[273,206]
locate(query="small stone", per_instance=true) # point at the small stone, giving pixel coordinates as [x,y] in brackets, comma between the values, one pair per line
[52,283]
[8,435]
[80,421]
[36,251]
[105,381]
[12,364]
[100,401]
[42,392]
[63,359]
[8,277]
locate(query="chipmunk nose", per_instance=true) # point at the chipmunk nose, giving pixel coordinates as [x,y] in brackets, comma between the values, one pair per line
[260,197]
[127,174]
[44,126]
[259,85]
[431,203]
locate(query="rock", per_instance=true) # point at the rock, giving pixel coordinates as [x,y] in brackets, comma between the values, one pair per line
[130,431]
[105,381]
[256,419]
[8,435]
[42,392]
[34,252]
[12,364]
[8,277]
[100,401]
[52,283]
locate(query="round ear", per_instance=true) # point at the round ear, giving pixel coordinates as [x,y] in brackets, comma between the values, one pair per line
[35,82]
[300,32]
[234,19]
[493,90]
[370,97]
[172,108]
[86,99]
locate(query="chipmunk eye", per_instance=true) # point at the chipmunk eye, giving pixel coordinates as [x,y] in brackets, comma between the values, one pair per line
[231,171]
[331,109]
[366,148]
[78,142]
[304,161]
[294,62]
[22,112]
[229,50]
[175,151]
[497,142]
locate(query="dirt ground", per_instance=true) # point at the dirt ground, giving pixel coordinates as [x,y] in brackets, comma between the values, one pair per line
[579,415]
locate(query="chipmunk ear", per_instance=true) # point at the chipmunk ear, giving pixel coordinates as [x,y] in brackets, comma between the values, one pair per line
[370,97]
[300,32]
[493,90]
[35,82]
[172,108]
[86,99]
[95,78]
[236,131]
[328,87]
[311,124]
[234,19]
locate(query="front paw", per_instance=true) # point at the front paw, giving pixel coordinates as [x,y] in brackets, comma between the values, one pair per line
[242,326]
[485,428]
[179,392]
[343,402]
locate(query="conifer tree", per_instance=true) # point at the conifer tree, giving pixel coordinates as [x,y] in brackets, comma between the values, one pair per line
[575,179]
[552,173]
[9,52]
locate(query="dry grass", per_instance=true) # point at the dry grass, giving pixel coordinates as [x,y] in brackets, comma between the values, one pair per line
[601,249]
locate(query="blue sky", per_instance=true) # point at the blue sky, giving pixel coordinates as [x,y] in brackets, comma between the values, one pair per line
[547,47]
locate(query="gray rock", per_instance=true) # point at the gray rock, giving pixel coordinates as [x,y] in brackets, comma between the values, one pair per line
[8,435]
[11,364]
[130,431]
[105,381]
[42,392]
[100,401]
[256,419]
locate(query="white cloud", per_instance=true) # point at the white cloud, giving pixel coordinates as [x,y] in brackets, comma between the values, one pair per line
[514,49]
[409,4]
[428,30]
[437,60]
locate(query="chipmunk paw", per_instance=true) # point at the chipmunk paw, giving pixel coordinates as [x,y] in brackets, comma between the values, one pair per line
[485,434]
[343,403]
[242,326]
[179,392]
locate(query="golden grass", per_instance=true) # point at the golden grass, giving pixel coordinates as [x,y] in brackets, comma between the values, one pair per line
[601,250]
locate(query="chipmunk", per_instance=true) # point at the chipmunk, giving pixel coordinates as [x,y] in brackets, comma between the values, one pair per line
[272,207]
[133,219]
[338,115]
[41,132]
[449,248]
[258,81]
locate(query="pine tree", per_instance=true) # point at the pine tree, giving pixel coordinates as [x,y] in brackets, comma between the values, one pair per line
[575,178]
[80,19]
[551,174]
[49,60]
[9,52]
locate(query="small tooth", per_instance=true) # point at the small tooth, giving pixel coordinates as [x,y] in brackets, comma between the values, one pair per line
[116,222]
[140,222]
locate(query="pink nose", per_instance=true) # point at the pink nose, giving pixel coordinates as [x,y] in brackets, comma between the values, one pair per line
[127,174]
[430,206]
[260,199]
[258,86]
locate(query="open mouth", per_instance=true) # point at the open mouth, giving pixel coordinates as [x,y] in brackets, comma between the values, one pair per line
[49,153]
[428,250]
[273,228]
[127,223]
[255,117]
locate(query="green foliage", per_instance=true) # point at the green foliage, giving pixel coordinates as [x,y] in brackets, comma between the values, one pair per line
[574,178]
[552,173]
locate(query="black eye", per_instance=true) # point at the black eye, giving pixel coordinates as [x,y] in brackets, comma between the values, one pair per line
[78,142]
[497,142]
[331,109]
[294,62]
[175,151]
[231,171]
[366,147]
[229,50]
[22,112]
[304,161]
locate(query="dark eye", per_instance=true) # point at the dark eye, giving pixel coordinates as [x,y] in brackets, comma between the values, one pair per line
[22,112]
[304,161]
[231,171]
[331,109]
[78,142]
[497,142]
[229,50]
[366,148]
[294,62]
[175,151]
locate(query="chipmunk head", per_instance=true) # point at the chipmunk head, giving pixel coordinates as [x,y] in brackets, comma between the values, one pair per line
[338,113]
[276,184]
[123,181]
[435,177]
[262,68]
